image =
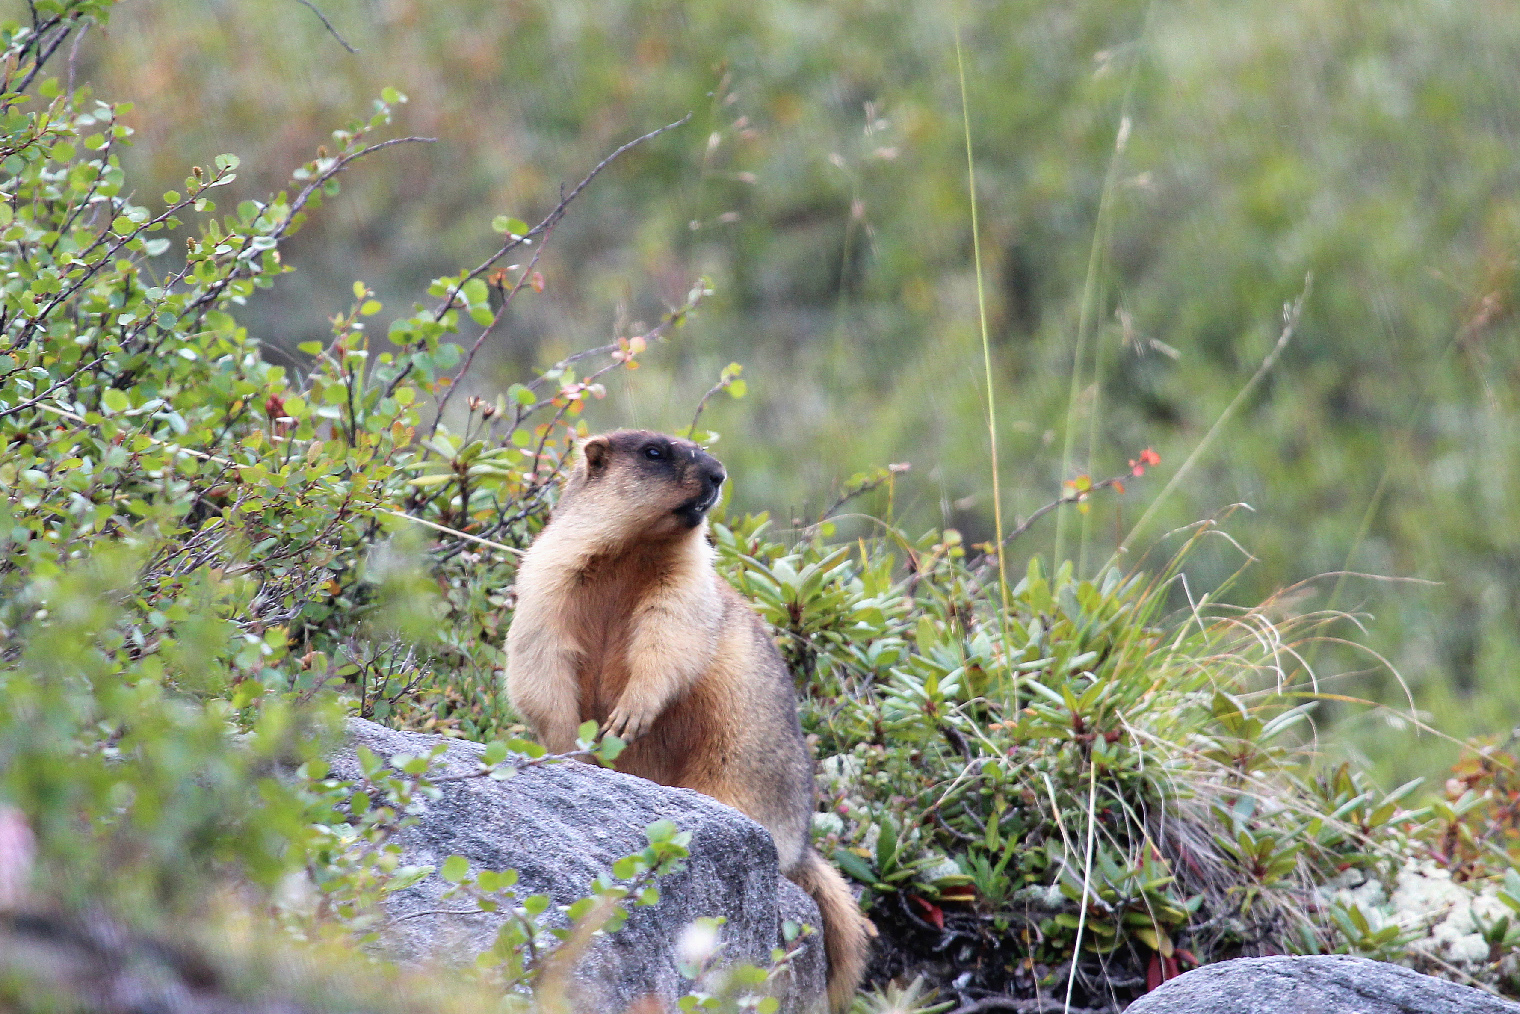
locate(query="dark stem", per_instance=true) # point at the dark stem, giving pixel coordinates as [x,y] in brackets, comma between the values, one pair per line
[551,219]
[720,385]
[469,358]
[327,24]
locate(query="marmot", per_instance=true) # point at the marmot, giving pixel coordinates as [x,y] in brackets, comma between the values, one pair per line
[622,618]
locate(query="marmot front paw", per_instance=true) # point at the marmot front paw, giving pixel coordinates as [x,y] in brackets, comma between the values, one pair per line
[628,722]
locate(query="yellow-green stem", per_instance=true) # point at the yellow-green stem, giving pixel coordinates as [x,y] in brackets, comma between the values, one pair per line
[1093,296]
[1290,322]
[981,308]
[1087,865]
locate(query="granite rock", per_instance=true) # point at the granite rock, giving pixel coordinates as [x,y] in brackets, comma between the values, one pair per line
[561,825]
[1315,984]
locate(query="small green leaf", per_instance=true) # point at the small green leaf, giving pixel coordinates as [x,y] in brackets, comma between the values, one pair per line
[507,225]
[660,830]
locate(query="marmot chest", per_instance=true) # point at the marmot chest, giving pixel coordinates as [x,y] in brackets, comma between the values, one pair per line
[600,615]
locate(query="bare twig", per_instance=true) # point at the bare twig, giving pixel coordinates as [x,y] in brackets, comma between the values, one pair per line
[214,292]
[469,358]
[74,53]
[327,24]
[456,914]
[1073,497]
[543,228]
[552,219]
[875,482]
[44,56]
[486,770]
[337,167]
[720,385]
[649,337]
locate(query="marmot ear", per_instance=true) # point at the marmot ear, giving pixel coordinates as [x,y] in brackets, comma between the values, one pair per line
[596,450]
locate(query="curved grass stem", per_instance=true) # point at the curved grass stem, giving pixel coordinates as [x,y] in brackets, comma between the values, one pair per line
[1087,874]
[1291,314]
[981,309]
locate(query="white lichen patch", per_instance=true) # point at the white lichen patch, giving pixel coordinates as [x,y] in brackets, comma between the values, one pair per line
[1441,915]
[1426,894]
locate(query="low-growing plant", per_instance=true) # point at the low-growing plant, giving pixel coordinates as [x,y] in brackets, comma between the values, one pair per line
[1091,773]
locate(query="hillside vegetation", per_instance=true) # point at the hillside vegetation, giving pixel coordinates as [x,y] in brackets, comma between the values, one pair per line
[1068,780]
[1132,288]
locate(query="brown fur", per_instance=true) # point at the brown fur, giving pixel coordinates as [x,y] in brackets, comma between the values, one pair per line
[622,619]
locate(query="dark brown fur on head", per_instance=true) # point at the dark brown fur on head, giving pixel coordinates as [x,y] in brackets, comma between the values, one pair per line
[662,484]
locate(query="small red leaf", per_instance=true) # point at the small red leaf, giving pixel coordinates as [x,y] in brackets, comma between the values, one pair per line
[1159,970]
[932,912]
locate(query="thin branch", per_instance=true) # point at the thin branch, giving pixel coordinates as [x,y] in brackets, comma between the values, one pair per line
[37,400]
[338,167]
[487,770]
[215,290]
[543,228]
[1076,496]
[469,358]
[44,57]
[327,25]
[720,385]
[870,485]
[552,219]
[74,53]
[438,911]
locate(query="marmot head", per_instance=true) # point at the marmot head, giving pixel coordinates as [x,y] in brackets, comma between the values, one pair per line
[644,484]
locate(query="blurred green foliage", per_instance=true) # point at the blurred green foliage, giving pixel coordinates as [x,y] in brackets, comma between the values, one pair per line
[821,186]
[208,551]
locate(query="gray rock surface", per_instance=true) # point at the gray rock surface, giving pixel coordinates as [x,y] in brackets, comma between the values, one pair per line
[560,826]
[1317,984]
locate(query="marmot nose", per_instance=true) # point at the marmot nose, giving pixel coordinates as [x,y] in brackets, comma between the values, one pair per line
[715,474]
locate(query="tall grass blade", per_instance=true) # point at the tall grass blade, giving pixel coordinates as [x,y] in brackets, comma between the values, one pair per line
[981,309]
[1094,296]
[1087,874]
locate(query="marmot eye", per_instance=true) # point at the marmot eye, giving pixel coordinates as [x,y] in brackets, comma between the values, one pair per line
[653,453]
